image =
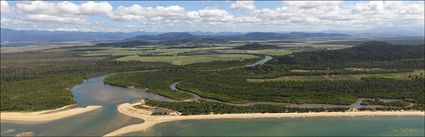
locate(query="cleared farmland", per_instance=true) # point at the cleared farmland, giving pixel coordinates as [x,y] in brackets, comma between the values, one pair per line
[184,60]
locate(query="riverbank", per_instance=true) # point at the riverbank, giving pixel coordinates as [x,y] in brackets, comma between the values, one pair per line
[150,121]
[46,115]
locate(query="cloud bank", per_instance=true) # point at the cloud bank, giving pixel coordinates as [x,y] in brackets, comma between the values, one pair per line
[240,15]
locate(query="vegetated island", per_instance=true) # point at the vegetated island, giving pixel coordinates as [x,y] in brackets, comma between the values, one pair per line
[153,116]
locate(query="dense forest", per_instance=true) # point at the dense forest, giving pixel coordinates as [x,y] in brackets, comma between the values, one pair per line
[203,107]
[156,82]
[382,103]
[238,90]
[368,54]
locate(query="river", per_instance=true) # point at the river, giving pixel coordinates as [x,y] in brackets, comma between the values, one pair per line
[99,122]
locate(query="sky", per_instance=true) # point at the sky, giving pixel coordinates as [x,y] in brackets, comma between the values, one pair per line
[209,16]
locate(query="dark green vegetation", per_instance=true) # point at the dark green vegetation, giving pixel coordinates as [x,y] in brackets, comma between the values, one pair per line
[235,89]
[256,46]
[382,103]
[202,107]
[156,82]
[232,85]
[366,55]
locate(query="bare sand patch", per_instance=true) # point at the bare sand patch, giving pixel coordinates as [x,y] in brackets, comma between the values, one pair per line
[46,115]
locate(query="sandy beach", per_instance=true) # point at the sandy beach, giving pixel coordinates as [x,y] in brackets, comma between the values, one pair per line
[150,120]
[46,115]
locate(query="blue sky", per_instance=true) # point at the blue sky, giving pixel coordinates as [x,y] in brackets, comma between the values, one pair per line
[237,16]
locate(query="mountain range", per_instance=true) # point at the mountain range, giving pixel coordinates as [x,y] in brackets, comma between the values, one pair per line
[27,36]
[22,36]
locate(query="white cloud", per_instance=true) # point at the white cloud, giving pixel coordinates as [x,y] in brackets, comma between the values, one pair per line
[291,14]
[5,8]
[44,17]
[215,15]
[243,5]
[63,11]
[159,13]
[96,8]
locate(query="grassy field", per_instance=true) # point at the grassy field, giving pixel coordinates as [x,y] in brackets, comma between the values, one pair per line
[306,78]
[350,69]
[273,52]
[405,75]
[184,60]
[114,52]
[175,51]
[159,51]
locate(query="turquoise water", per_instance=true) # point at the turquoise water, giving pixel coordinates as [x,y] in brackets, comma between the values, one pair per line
[320,126]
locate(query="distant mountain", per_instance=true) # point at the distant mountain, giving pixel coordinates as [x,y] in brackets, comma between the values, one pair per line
[201,33]
[194,40]
[21,36]
[236,36]
[287,36]
[11,36]
[165,36]
[386,31]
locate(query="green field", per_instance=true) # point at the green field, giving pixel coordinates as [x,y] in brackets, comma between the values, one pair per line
[306,78]
[345,69]
[184,60]
[175,51]
[404,75]
[274,52]
[166,51]
[114,52]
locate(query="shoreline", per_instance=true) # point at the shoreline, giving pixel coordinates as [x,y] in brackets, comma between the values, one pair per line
[150,121]
[45,115]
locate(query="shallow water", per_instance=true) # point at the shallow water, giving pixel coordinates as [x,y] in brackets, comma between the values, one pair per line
[319,126]
[99,122]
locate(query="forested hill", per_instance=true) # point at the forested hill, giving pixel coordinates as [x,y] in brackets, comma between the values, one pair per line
[366,52]
[256,46]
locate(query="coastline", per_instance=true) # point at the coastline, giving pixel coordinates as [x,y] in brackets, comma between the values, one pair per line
[45,115]
[150,121]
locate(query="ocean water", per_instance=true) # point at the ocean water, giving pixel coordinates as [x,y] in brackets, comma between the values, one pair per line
[319,126]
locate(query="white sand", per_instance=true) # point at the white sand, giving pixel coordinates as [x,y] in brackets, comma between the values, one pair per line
[45,116]
[150,120]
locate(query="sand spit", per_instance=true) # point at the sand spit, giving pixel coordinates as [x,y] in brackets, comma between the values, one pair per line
[150,121]
[46,115]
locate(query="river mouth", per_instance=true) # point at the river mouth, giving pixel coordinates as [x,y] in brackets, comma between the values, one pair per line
[93,91]
[96,123]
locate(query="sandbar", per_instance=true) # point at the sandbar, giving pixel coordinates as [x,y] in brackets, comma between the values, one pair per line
[46,115]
